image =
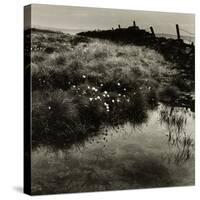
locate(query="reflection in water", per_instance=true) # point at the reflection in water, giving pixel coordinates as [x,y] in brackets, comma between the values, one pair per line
[175,120]
[122,157]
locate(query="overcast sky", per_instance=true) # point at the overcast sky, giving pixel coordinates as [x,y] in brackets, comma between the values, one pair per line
[68,17]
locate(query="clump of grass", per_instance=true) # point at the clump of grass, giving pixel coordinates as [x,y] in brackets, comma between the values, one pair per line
[38,58]
[60,118]
[79,39]
[169,94]
[60,60]
[54,117]
[182,84]
[50,50]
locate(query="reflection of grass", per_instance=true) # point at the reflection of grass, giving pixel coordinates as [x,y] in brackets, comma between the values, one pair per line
[102,171]
[79,84]
[176,121]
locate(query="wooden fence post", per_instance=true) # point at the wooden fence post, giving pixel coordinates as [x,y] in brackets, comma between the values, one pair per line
[178,33]
[152,31]
[134,24]
[119,26]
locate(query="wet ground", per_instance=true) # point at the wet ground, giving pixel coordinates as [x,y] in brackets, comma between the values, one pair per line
[158,153]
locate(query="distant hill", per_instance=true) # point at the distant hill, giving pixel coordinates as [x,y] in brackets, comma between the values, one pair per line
[64,30]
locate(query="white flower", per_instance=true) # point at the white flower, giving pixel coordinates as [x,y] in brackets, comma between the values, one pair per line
[88,87]
[93,88]
[118,100]
[106,105]
[101,84]
[128,100]
[105,92]
[119,95]
[113,100]
[104,95]
[124,89]
[98,97]
[74,86]
[90,99]
[49,107]
[118,84]
[84,76]
[108,95]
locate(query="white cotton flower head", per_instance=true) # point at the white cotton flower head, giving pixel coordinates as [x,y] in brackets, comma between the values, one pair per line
[105,92]
[113,101]
[101,84]
[90,99]
[84,76]
[106,105]
[124,89]
[49,107]
[94,89]
[119,95]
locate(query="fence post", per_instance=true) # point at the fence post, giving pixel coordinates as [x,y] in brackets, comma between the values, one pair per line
[178,33]
[119,26]
[152,31]
[134,24]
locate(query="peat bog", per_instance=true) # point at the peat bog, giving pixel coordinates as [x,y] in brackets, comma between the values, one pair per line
[107,115]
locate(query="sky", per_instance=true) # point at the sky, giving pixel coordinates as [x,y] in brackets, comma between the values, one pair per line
[84,18]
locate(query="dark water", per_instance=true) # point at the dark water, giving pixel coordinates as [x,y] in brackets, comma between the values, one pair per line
[158,153]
